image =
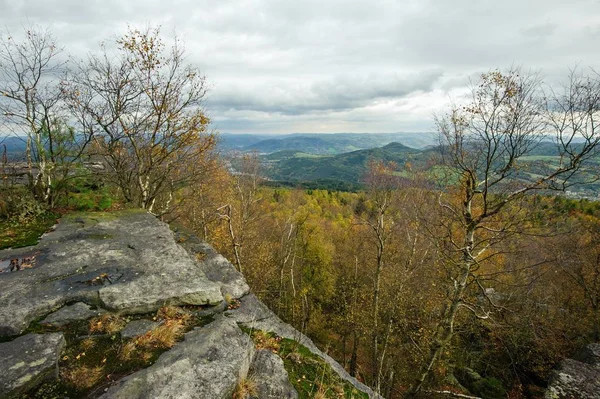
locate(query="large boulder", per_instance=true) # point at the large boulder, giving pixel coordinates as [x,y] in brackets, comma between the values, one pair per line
[127,262]
[28,360]
[577,379]
[207,364]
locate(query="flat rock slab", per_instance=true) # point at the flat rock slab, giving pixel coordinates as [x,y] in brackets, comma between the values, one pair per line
[28,360]
[207,364]
[136,328]
[125,261]
[68,314]
[271,378]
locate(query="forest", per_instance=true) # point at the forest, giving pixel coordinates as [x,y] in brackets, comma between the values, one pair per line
[454,275]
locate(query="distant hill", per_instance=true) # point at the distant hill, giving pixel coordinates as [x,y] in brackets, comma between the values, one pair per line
[347,167]
[323,144]
[300,168]
[15,147]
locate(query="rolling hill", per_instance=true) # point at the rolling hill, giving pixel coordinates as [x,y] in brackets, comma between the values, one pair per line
[348,167]
[323,144]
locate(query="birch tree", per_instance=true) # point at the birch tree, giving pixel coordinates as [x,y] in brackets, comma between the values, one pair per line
[484,144]
[144,105]
[32,108]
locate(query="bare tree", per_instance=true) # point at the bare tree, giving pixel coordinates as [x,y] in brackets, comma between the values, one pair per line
[31,107]
[484,143]
[382,186]
[243,212]
[144,106]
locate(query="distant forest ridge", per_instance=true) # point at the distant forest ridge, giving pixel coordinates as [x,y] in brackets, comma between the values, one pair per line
[322,143]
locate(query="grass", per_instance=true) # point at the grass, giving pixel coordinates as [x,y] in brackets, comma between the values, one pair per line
[245,389]
[164,336]
[82,377]
[107,324]
[310,375]
[13,235]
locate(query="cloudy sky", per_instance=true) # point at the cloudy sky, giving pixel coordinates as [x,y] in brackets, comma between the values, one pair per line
[282,66]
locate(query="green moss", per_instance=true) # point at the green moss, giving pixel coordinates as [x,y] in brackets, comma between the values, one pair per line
[93,218]
[307,372]
[15,235]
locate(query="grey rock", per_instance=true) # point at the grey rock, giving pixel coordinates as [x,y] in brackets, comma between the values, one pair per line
[127,262]
[271,377]
[590,355]
[207,364]
[576,379]
[211,311]
[68,314]
[252,313]
[136,328]
[216,267]
[28,360]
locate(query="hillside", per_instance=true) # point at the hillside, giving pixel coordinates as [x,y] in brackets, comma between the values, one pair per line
[347,167]
[345,171]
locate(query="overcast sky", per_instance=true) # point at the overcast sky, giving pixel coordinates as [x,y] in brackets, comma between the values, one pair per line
[283,66]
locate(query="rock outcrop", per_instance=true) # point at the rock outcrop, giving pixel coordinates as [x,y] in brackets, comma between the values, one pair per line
[207,364]
[101,281]
[577,378]
[127,262]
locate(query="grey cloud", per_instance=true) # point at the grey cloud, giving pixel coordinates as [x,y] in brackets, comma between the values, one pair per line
[335,94]
[321,62]
[543,30]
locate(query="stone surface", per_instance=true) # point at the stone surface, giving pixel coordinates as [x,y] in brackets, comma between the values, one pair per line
[207,364]
[577,379]
[271,378]
[28,360]
[254,314]
[68,314]
[136,328]
[127,262]
[214,265]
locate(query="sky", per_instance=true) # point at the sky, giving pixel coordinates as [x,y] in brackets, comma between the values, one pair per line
[326,66]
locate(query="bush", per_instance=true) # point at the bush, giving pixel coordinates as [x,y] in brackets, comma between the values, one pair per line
[489,388]
[90,201]
[18,206]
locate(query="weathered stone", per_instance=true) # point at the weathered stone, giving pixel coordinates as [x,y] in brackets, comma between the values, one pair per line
[254,314]
[138,327]
[28,360]
[577,379]
[207,364]
[271,378]
[68,314]
[214,265]
[127,261]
